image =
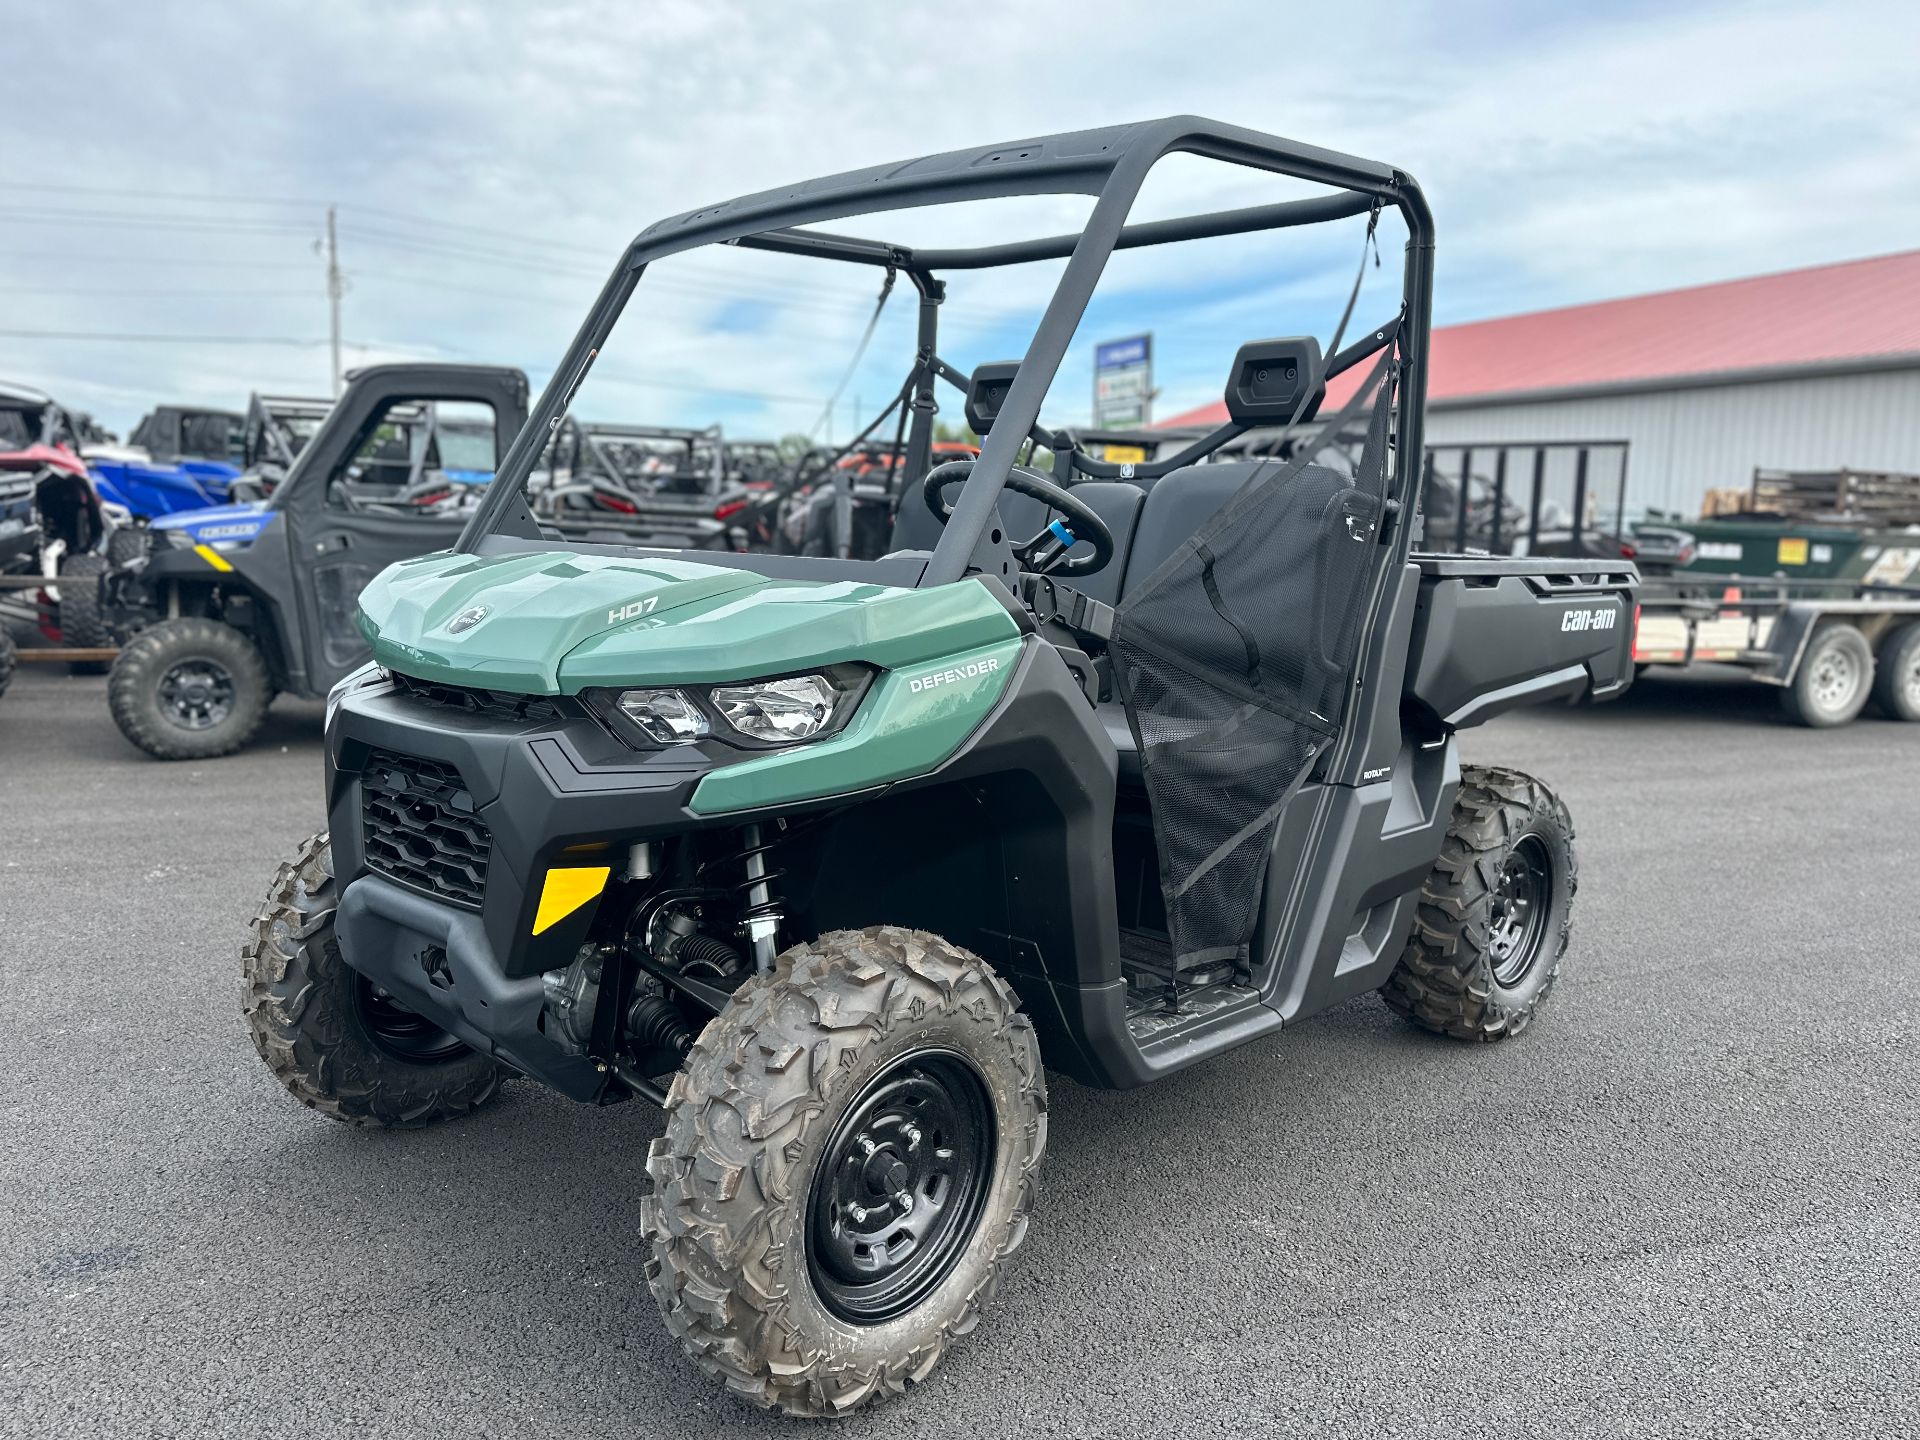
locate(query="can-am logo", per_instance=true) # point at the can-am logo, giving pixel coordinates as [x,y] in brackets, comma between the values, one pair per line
[467,619]
[972,670]
[632,609]
[1601,619]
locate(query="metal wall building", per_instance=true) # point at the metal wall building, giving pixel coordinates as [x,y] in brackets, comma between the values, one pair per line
[1683,440]
[1813,369]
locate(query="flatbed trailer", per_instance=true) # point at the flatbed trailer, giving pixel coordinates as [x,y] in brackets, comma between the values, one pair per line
[1830,646]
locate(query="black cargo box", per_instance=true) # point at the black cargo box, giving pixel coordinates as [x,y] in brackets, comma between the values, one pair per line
[1495,632]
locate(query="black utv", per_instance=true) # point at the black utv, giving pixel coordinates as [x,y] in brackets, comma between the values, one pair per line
[277,429]
[1102,770]
[228,606]
[657,485]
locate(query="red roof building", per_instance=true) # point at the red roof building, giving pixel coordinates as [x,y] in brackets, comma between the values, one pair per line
[1804,369]
[1791,323]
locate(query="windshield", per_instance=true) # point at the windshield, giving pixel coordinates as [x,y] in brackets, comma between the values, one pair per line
[19,427]
[866,346]
[466,447]
[299,429]
[212,436]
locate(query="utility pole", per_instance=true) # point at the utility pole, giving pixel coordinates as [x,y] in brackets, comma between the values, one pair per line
[334,291]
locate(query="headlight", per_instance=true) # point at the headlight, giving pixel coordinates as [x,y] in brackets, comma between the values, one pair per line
[666,717]
[748,714]
[778,711]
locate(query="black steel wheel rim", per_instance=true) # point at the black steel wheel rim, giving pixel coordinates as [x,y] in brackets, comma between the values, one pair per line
[1521,905]
[399,1032]
[197,694]
[901,1186]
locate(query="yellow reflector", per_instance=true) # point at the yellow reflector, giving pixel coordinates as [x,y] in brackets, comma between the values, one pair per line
[565,891]
[212,556]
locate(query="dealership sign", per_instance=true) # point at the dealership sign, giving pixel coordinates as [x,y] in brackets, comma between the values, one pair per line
[1123,382]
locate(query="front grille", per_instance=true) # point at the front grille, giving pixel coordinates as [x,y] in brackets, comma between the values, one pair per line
[419,827]
[498,704]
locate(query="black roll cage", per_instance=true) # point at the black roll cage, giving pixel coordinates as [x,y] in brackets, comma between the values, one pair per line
[53,423]
[581,439]
[1111,165]
[270,436]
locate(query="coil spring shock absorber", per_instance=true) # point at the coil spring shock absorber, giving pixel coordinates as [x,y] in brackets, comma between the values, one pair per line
[760,913]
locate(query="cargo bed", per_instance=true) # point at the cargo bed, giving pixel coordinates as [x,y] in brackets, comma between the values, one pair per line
[1494,632]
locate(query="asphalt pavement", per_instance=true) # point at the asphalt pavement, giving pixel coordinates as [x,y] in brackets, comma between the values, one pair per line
[1683,1203]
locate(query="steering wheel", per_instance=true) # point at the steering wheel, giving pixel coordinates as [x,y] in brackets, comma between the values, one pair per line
[1047,552]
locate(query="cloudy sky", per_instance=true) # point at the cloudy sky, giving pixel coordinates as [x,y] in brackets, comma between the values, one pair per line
[168,174]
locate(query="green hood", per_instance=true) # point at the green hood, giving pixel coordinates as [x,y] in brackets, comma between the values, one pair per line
[552,622]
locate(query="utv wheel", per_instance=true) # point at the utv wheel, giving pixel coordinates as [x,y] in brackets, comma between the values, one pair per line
[1896,675]
[337,1042]
[83,624]
[1834,680]
[1494,913]
[849,1160]
[189,689]
[125,544]
[7,652]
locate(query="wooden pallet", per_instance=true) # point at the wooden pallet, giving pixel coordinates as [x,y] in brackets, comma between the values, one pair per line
[1879,497]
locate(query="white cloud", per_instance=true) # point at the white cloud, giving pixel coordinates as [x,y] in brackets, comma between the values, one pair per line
[1567,155]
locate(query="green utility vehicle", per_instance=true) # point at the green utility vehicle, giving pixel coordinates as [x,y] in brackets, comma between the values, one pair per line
[1101,771]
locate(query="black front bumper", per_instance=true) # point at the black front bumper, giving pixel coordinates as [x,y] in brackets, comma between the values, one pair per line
[539,793]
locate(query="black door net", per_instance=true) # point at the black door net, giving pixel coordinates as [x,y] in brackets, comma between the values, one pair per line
[1233,660]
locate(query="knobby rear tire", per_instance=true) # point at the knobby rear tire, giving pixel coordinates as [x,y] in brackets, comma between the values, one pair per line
[83,622]
[1447,978]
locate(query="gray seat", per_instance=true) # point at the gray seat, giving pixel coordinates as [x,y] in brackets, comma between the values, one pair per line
[1178,505]
[1170,512]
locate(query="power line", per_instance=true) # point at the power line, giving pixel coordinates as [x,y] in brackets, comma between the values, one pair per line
[143,294]
[120,338]
[186,197]
[623,376]
[211,198]
[451,242]
[190,224]
[179,260]
[709,284]
[798,296]
[618,374]
[497,237]
[455,250]
[427,282]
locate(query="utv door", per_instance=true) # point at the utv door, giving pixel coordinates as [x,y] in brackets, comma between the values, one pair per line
[378,485]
